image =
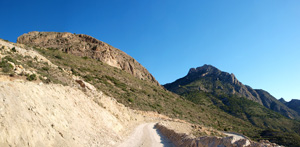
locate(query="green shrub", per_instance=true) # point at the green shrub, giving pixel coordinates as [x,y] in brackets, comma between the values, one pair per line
[8,58]
[45,68]
[14,49]
[31,77]
[85,57]
[6,67]
[88,78]
[52,49]
[130,100]
[30,63]
[74,72]
[58,56]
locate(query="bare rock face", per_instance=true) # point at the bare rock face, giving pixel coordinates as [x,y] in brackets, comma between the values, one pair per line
[212,80]
[87,46]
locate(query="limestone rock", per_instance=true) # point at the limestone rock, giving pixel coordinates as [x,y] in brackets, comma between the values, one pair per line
[19,69]
[87,46]
[12,64]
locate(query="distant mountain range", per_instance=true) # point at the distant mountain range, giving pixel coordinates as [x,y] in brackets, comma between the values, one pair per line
[293,104]
[209,79]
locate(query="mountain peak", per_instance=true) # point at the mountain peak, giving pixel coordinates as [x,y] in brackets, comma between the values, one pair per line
[210,79]
[209,70]
[282,100]
[203,69]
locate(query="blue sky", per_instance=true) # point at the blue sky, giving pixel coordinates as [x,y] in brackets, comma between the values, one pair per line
[257,40]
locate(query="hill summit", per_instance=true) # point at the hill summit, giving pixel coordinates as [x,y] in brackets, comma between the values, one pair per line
[86,46]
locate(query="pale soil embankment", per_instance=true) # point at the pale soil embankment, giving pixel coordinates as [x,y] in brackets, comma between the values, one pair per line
[33,114]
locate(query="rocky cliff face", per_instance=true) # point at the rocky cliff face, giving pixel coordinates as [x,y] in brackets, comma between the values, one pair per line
[87,46]
[294,104]
[272,103]
[208,78]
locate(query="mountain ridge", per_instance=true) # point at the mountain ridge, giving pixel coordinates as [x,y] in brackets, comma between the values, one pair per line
[210,79]
[294,104]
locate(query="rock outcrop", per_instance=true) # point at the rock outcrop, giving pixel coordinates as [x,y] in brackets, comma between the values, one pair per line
[87,46]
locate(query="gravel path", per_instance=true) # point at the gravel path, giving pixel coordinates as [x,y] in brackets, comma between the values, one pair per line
[145,135]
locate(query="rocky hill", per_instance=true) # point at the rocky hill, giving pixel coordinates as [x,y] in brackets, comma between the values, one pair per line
[87,46]
[209,79]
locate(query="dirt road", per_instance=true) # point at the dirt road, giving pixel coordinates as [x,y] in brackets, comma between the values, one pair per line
[237,137]
[145,135]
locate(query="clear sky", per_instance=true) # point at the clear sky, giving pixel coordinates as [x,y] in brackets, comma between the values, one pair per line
[257,40]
